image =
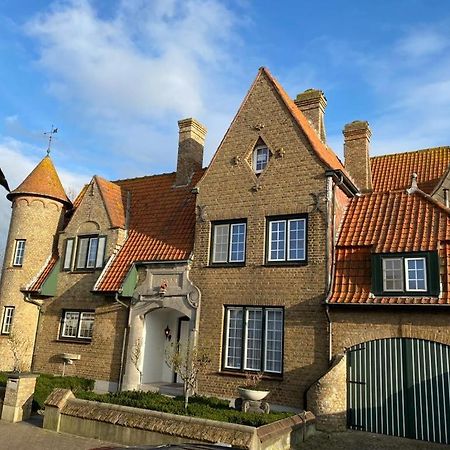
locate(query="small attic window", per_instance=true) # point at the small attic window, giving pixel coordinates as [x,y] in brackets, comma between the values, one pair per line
[261,155]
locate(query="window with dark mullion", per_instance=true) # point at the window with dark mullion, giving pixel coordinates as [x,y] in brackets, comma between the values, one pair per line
[253,339]
[90,253]
[228,242]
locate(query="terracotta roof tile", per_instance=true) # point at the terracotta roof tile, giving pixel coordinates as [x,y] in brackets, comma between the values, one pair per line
[37,283]
[393,172]
[114,200]
[325,154]
[42,181]
[162,225]
[388,222]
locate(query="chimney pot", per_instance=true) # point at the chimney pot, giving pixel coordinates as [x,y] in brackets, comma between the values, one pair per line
[190,150]
[312,104]
[356,153]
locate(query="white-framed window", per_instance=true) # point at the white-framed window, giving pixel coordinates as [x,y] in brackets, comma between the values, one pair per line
[19,252]
[90,253]
[286,239]
[416,274]
[8,313]
[228,242]
[253,339]
[68,252]
[261,155]
[77,324]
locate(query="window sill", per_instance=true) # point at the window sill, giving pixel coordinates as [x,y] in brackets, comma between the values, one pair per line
[285,264]
[266,376]
[407,294]
[225,265]
[74,341]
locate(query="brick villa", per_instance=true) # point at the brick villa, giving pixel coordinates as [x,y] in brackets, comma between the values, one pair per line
[331,278]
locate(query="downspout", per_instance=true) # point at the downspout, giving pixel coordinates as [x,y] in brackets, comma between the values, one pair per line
[28,299]
[125,334]
[330,258]
[333,267]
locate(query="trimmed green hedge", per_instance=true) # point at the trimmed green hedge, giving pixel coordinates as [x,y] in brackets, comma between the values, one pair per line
[204,407]
[46,383]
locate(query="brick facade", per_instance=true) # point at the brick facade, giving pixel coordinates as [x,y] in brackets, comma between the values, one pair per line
[101,357]
[36,220]
[231,190]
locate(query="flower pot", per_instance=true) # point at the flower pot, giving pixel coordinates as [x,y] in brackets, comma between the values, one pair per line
[252,394]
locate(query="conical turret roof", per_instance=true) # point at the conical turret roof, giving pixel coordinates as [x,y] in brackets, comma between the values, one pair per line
[43,181]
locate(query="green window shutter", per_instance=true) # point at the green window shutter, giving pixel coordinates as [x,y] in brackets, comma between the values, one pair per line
[433,273]
[377,275]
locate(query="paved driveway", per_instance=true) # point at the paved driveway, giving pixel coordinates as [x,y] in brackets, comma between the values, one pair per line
[360,440]
[29,436]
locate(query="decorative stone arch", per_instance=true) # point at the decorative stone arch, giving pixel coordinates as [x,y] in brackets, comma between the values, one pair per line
[162,288]
[88,227]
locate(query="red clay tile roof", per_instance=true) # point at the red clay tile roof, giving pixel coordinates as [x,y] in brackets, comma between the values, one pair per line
[114,200]
[393,172]
[324,153]
[387,222]
[43,181]
[162,225]
[37,283]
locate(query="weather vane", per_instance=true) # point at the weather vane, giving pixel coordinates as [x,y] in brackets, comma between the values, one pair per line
[50,137]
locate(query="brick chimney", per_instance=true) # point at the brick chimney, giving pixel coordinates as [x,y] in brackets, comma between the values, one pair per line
[356,153]
[312,104]
[190,149]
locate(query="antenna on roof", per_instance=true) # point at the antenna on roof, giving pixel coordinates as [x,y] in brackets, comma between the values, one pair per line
[50,137]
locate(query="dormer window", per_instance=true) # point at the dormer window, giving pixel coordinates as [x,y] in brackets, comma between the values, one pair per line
[403,274]
[261,156]
[90,253]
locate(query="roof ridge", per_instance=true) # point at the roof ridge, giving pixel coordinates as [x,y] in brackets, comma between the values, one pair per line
[430,199]
[408,152]
[143,177]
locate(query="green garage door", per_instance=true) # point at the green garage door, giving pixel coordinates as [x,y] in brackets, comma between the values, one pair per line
[400,387]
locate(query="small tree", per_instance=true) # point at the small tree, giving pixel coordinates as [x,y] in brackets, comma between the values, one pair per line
[136,353]
[187,362]
[18,345]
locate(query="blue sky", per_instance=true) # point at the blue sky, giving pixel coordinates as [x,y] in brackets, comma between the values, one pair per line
[115,77]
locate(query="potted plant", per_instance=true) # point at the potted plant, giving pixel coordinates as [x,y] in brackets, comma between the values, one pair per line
[249,390]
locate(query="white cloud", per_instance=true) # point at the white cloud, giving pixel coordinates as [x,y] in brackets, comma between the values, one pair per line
[150,59]
[422,42]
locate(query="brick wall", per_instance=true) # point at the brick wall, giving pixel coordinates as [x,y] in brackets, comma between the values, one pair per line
[354,325]
[37,220]
[231,190]
[100,358]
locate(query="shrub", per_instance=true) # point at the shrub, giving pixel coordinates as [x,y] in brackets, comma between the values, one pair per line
[204,407]
[46,383]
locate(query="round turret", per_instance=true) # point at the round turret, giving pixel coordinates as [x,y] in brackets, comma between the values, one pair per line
[38,207]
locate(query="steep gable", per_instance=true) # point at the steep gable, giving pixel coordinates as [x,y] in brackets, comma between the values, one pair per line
[100,202]
[266,94]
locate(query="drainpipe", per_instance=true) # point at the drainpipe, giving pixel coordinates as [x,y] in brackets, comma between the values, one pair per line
[28,299]
[116,298]
[125,333]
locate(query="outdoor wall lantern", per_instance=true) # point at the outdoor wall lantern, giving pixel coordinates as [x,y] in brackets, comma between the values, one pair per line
[167,333]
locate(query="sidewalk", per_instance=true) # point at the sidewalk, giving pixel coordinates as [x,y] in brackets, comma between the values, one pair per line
[30,435]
